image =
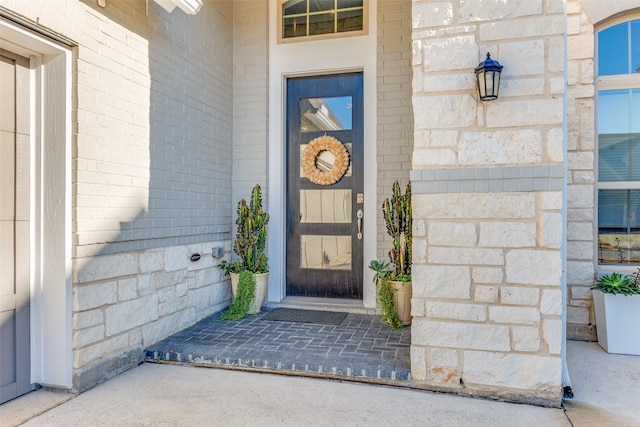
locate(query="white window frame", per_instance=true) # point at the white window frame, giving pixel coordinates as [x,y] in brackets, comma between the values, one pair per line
[607,83]
[363,32]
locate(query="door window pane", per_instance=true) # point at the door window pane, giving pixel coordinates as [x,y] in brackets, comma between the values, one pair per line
[325,114]
[618,226]
[325,206]
[325,252]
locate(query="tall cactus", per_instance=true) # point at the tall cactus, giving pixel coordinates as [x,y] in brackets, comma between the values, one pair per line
[251,237]
[398,220]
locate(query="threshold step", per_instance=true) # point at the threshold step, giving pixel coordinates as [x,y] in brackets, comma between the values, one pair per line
[325,304]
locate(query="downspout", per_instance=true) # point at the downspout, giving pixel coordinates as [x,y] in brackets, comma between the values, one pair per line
[567,392]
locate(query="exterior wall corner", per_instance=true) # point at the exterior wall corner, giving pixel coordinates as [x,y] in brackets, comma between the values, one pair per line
[488,194]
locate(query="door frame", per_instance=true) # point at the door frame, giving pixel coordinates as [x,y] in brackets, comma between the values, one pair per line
[313,280]
[312,58]
[50,181]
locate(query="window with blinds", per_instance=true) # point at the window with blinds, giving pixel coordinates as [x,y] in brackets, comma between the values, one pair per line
[618,109]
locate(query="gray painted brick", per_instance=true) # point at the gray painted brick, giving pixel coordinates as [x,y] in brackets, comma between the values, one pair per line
[469,186]
[496,173]
[455,187]
[469,173]
[542,171]
[491,179]
[442,186]
[482,173]
[482,186]
[541,184]
[512,172]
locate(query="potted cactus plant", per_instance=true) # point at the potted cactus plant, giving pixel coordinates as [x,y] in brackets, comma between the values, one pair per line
[251,269]
[393,279]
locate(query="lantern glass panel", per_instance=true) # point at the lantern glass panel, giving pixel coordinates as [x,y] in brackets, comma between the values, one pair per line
[489,79]
[481,87]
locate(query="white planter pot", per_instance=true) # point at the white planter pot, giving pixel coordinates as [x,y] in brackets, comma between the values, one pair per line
[260,293]
[617,322]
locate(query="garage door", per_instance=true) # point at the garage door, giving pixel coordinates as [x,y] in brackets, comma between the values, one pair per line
[14,227]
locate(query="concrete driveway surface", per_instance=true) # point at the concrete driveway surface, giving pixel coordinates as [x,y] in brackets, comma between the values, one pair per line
[605,386]
[169,395]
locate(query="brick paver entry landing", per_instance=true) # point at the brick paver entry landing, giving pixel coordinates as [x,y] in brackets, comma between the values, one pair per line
[362,347]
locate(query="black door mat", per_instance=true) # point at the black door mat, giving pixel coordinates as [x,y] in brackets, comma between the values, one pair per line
[305,316]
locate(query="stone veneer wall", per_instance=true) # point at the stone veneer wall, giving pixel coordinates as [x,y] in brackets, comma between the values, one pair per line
[395,115]
[488,199]
[581,140]
[125,302]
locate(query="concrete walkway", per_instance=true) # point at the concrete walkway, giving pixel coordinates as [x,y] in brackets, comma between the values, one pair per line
[606,386]
[606,389]
[154,395]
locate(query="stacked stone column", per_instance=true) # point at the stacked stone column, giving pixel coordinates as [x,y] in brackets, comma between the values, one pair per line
[488,196]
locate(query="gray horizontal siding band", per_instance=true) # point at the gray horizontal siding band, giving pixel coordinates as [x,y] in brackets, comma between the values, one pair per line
[488,180]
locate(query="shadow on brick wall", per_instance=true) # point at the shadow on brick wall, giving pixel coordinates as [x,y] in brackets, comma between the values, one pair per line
[153,176]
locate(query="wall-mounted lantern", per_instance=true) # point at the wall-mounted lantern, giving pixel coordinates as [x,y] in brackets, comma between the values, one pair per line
[488,75]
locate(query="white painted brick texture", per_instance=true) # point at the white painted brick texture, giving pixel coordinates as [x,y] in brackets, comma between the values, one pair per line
[153,156]
[250,98]
[395,116]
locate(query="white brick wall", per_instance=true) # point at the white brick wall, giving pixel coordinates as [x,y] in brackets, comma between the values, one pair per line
[250,98]
[152,153]
[153,156]
[395,114]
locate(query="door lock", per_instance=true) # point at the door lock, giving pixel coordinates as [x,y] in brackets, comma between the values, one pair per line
[359,215]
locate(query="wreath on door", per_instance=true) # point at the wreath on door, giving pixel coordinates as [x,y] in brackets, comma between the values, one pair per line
[310,155]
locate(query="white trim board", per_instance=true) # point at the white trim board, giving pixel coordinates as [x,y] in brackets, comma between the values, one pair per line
[317,57]
[50,258]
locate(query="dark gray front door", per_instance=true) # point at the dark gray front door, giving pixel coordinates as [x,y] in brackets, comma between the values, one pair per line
[324,245]
[14,227]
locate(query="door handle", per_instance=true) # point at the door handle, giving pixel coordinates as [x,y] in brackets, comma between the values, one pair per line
[359,215]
